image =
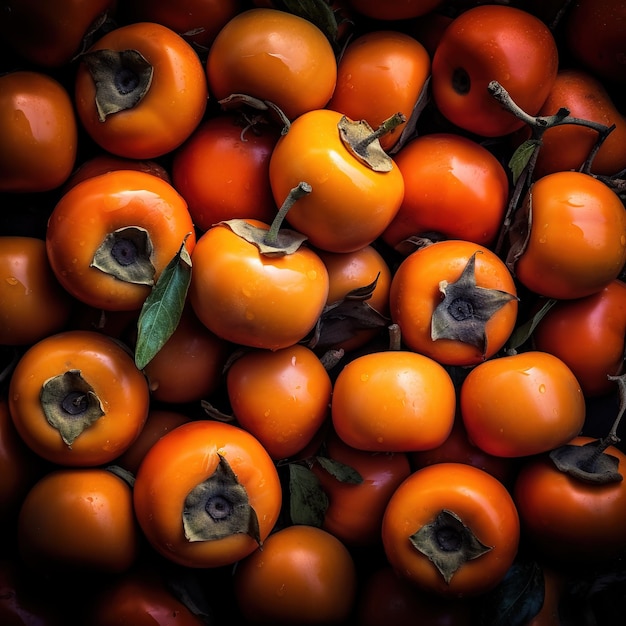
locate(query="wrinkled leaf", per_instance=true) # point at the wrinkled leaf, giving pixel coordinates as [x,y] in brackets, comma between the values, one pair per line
[342,472]
[517,599]
[307,501]
[521,157]
[162,309]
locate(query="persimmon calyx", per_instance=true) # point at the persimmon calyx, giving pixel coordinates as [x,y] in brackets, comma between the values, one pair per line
[275,241]
[126,254]
[219,507]
[588,463]
[363,141]
[122,79]
[448,543]
[466,308]
[70,404]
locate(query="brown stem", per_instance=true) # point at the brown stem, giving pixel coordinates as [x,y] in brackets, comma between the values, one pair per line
[386,127]
[301,190]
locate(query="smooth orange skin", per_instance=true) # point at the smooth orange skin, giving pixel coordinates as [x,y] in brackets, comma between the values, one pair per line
[222,171]
[522,404]
[276,56]
[355,511]
[453,186]
[594,34]
[79,520]
[28,287]
[233,284]
[348,271]
[19,466]
[567,519]
[483,504]
[457,448]
[380,74]
[488,41]
[303,575]
[39,132]
[393,401]
[159,422]
[188,367]
[104,163]
[588,335]
[108,368]
[415,293]
[50,34]
[117,199]
[171,109]
[350,204]
[394,9]
[577,242]
[282,397]
[566,147]
[385,597]
[198,21]
[180,460]
[142,597]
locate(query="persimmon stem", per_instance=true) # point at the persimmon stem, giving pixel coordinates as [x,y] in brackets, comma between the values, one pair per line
[386,127]
[301,190]
[395,337]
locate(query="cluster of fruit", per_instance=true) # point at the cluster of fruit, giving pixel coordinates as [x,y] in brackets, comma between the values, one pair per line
[312,312]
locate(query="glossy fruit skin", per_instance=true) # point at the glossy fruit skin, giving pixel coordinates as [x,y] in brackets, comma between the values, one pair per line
[111,372]
[188,368]
[303,575]
[355,511]
[588,335]
[457,448]
[118,199]
[274,56]
[281,396]
[159,422]
[394,10]
[595,36]
[238,162]
[393,401]
[142,597]
[566,147]
[232,283]
[379,74]
[453,186]
[104,162]
[348,271]
[483,504]
[28,286]
[577,242]
[179,461]
[568,519]
[350,204]
[415,293]
[51,34]
[483,44]
[198,21]
[521,404]
[39,132]
[171,109]
[79,520]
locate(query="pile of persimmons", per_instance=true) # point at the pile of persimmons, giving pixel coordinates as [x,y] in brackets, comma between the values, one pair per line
[312,312]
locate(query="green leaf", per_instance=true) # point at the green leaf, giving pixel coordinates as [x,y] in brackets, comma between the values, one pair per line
[522,334]
[517,599]
[522,155]
[307,501]
[342,472]
[163,307]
